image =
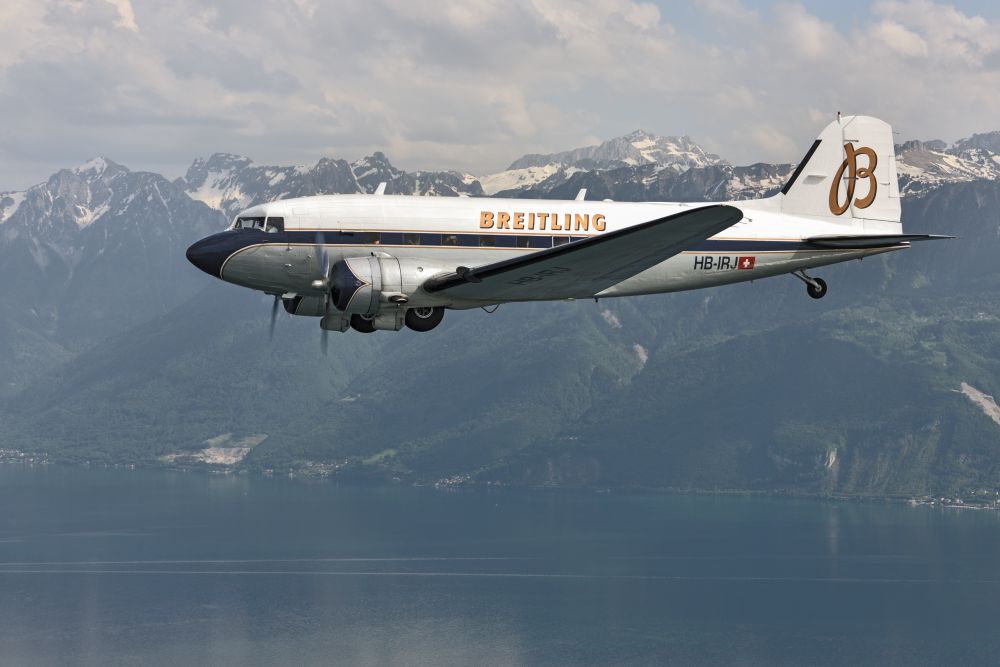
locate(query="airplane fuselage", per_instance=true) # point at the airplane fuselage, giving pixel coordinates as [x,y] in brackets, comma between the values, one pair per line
[372,262]
[444,232]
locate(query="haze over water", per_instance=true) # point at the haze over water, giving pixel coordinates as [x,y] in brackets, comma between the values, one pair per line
[128,567]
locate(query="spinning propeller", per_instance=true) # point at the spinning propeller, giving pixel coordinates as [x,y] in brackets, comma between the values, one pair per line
[274,315]
[323,283]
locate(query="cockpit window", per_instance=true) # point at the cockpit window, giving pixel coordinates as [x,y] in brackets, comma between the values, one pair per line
[249,223]
[274,224]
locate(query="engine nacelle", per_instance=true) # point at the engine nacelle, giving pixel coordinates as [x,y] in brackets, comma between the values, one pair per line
[310,306]
[356,285]
[364,285]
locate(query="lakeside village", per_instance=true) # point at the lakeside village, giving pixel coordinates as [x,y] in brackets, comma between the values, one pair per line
[979,499]
[982,499]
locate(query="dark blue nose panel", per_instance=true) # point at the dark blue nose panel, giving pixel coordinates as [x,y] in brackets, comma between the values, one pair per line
[210,253]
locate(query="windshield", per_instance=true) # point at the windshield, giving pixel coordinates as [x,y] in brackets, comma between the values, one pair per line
[249,223]
[271,224]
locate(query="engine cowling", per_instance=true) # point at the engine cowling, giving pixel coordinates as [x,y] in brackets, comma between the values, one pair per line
[310,306]
[367,285]
[356,285]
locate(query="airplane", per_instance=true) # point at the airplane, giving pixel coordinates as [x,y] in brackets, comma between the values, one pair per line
[372,262]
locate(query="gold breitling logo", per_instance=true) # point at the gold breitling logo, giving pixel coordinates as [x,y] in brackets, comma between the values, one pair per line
[854,174]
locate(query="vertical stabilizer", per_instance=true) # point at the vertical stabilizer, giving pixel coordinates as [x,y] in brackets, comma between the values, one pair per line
[848,177]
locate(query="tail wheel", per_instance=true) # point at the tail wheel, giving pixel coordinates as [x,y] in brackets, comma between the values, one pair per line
[817,291]
[362,324]
[424,319]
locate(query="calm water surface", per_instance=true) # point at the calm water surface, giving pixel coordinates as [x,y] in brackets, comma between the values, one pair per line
[137,567]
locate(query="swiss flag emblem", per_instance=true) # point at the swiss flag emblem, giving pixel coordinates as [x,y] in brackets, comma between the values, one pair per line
[745,262]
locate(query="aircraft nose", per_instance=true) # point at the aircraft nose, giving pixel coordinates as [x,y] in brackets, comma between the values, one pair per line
[206,255]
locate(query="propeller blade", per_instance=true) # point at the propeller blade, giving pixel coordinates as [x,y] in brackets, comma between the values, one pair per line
[323,263]
[322,260]
[274,314]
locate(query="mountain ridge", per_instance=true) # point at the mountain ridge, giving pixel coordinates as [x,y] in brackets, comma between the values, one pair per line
[230,182]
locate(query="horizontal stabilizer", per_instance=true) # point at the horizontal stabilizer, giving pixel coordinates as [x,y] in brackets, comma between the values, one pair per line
[871,241]
[584,268]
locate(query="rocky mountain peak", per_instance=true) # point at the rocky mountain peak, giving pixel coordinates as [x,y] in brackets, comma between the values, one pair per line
[99,168]
[989,141]
[216,164]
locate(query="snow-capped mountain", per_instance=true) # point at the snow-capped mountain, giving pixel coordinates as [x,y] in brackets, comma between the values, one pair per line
[93,248]
[55,211]
[677,154]
[232,182]
[926,165]
[376,168]
[636,148]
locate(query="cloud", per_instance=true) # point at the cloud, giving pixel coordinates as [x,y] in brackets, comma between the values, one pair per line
[900,39]
[470,86]
[730,10]
[126,15]
[809,37]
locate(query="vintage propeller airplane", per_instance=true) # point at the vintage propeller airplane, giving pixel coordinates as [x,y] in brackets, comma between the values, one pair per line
[376,262]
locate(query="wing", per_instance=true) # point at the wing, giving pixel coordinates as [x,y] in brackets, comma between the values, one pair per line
[584,268]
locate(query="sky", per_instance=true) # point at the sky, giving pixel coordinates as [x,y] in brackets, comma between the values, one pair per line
[471,86]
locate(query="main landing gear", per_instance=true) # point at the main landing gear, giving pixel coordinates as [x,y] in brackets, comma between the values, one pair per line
[363,324]
[423,319]
[816,287]
[417,319]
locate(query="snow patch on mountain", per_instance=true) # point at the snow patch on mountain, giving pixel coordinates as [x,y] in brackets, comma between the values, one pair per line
[94,167]
[9,203]
[517,179]
[85,215]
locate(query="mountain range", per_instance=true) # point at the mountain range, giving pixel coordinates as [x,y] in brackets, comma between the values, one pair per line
[114,350]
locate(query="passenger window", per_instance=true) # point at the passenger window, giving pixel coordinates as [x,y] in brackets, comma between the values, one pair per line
[559,240]
[411,239]
[392,238]
[487,241]
[430,239]
[449,239]
[523,241]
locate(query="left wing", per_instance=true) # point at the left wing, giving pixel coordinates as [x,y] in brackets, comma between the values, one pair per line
[584,268]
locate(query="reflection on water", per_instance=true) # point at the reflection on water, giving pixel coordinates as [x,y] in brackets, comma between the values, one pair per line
[125,567]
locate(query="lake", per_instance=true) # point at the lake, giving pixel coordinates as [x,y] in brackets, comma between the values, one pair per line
[109,567]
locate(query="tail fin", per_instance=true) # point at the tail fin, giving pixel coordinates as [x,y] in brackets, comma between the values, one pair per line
[848,177]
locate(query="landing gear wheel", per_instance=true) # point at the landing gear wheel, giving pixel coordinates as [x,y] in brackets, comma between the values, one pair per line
[423,319]
[362,324]
[817,291]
